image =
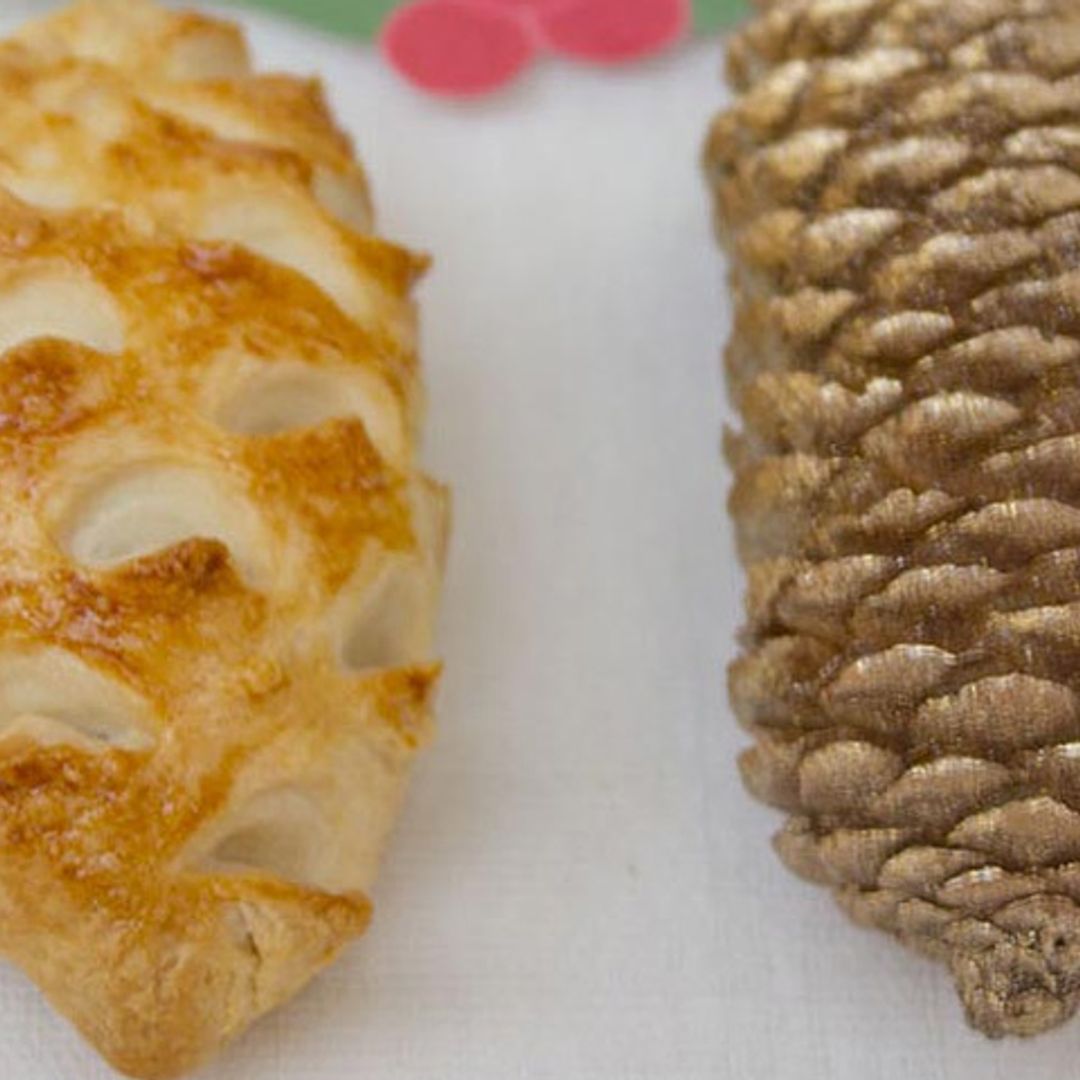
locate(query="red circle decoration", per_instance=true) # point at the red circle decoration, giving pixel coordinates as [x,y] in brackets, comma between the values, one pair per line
[460,48]
[615,31]
[529,5]
[457,48]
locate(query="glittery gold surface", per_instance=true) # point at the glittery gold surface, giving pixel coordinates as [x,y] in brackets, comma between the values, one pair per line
[899,188]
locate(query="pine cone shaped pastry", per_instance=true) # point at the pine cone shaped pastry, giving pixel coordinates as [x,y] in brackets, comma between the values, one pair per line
[898,187]
[218,559]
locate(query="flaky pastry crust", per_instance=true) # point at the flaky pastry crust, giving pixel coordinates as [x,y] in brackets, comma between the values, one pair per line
[218,559]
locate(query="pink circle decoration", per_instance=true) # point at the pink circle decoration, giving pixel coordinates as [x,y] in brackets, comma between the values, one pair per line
[462,48]
[529,5]
[614,31]
[457,48]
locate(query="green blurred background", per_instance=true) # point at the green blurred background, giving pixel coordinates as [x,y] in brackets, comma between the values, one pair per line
[362,18]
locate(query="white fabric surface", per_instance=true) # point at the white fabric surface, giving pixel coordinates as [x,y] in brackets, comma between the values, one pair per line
[580,888]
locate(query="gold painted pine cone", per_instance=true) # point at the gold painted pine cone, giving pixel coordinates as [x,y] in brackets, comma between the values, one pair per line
[898,187]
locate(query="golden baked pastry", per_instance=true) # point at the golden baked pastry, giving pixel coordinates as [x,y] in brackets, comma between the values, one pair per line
[899,188]
[218,558]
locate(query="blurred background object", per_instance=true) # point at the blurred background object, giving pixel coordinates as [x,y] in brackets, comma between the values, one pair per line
[363,18]
[464,48]
[359,18]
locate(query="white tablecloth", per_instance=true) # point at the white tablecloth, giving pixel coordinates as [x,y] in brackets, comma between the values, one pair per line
[580,889]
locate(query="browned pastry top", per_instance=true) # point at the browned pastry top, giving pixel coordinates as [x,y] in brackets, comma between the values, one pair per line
[218,560]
